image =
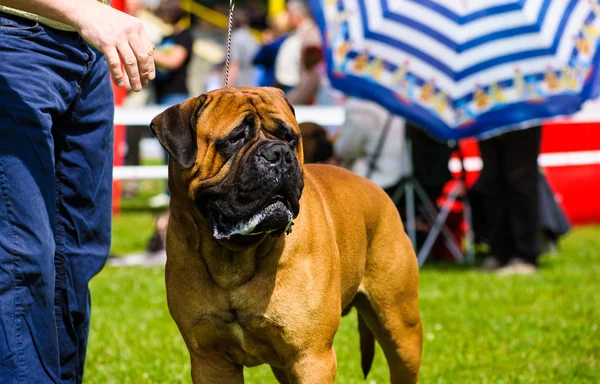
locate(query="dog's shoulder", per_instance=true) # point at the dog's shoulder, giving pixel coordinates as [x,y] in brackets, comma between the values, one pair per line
[343,190]
[340,180]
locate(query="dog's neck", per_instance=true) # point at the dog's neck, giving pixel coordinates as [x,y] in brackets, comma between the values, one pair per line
[229,266]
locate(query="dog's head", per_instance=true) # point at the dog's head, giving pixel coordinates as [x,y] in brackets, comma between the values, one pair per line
[236,153]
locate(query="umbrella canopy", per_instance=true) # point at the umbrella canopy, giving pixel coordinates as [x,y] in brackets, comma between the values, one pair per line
[462,68]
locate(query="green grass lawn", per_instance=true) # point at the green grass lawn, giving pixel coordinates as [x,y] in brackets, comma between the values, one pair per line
[133,228]
[478,327]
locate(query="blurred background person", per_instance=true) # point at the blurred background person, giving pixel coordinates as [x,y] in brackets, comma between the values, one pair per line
[266,56]
[304,34]
[243,48]
[172,58]
[554,223]
[256,11]
[306,91]
[157,30]
[509,191]
[361,148]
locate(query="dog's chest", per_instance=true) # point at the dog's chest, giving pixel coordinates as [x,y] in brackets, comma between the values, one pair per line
[243,337]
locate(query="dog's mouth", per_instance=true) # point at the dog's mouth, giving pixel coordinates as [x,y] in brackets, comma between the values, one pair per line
[275,218]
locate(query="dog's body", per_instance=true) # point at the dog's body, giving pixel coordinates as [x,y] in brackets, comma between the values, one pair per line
[275,298]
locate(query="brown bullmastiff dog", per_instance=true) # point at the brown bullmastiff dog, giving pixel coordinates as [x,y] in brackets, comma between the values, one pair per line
[244,286]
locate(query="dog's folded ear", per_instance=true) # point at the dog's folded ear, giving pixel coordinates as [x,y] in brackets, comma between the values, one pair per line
[175,129]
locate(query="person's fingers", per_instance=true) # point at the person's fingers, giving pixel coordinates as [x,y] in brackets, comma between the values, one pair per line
[142,56]
[151,74]
[114,63]
[131,64]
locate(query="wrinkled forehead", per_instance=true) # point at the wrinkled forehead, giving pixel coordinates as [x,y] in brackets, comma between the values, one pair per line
[226,108]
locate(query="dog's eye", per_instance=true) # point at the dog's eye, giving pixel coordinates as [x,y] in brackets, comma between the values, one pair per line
[288,136]
[291,139]
[239,136]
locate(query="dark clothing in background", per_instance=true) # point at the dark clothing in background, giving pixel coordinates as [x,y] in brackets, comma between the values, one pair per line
[508,185]
[174,81]
[429,160]
[554,222]
[265,60]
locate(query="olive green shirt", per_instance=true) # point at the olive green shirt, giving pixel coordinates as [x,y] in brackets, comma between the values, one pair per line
[40,19]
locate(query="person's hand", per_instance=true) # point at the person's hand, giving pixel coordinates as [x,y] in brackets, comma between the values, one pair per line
[122,39]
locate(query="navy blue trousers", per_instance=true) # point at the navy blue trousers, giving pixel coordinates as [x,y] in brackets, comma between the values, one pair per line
[56,155]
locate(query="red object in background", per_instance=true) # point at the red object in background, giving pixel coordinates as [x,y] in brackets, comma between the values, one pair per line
[119,140]
[455,223]
[570,158]
[576,187]
[119,151]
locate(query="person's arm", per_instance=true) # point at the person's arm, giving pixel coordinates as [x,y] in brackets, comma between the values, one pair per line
[178,54]
[172,60]
[120,37]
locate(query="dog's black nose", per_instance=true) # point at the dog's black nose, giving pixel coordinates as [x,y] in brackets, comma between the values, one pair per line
[275,153]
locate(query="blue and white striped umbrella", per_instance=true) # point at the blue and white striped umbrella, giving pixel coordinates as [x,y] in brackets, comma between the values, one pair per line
[464,68]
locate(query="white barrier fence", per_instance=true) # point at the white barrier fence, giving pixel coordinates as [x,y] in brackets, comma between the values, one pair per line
[144,115]
[334,116]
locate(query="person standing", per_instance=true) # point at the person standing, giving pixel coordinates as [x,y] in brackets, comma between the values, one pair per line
[305,36]
[265,57]
[361,147]
[508,185]
[172,58]
[56,157]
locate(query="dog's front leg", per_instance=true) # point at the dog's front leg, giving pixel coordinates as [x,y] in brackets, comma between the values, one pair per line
[314,368]
[215,370]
